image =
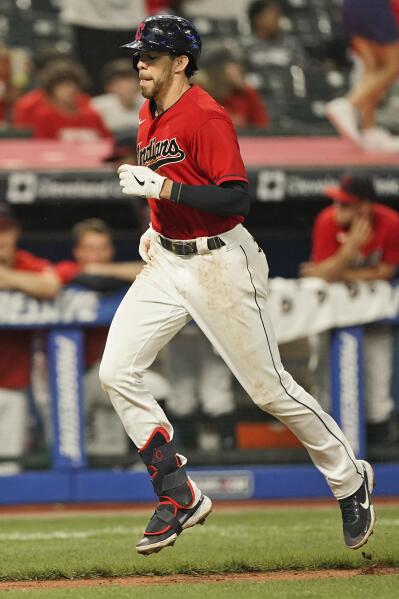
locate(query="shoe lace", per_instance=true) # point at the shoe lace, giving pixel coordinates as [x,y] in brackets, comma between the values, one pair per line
[349,509]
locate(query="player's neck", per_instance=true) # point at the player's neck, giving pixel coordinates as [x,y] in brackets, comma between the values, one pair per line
[171,95]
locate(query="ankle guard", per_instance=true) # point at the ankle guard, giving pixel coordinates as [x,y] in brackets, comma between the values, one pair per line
[168,476]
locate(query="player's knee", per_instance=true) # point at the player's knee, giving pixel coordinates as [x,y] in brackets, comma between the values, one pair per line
[107,375]
[114,376]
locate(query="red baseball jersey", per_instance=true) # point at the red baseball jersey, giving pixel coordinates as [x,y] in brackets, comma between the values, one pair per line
[50,123]
[26,107]
[193,142]
[246,107]
[383,245]
[67,270]
[15,346]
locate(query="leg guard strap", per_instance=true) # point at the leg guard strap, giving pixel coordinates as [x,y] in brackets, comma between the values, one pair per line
[168,477]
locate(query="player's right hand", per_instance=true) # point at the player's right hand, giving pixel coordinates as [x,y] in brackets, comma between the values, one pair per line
[144,245]
[360,231]
[140,181]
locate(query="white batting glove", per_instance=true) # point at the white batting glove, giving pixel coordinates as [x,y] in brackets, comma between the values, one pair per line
[144,245]
[140,181]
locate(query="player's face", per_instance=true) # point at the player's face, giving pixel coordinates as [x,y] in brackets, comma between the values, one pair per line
[346,213]
[126,88]
[66,93]
[267,23]
[155,73]
[8,244]
[93,248]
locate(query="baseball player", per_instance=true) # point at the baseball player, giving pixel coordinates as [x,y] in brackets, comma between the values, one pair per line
[357,239]
[203,264]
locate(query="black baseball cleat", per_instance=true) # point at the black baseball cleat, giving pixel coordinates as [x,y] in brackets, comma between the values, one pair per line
[168,521]
[358,516]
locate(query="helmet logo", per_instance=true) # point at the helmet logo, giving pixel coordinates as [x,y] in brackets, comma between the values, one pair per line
[139,32]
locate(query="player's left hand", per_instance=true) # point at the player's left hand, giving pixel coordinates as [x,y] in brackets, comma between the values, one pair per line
[140,181]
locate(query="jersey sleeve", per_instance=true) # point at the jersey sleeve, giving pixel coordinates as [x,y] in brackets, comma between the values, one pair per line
[43,125]
[217,153]
[67,271]
[259,115]
[324,242]
[390,253]
[30,263]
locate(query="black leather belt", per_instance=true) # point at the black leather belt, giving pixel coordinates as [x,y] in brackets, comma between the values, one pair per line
[183,248]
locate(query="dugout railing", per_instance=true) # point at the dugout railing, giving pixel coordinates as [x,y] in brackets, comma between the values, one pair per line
[70,479]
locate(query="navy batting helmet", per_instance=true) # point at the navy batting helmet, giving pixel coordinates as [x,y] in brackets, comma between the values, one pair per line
[167,33]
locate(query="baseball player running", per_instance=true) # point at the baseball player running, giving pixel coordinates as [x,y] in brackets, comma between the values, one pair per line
[203,264]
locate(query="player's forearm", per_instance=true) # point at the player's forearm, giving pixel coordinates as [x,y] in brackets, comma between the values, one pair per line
[38,285]
[229,200]
[332,269]
[382,272]
[127,271]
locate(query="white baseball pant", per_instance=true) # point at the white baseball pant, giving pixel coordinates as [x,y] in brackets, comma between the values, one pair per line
[225,291]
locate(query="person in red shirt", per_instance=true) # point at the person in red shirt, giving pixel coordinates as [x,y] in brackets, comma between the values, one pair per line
[7,89]
[64,116]
[21,271]
[226,83]
[203,264]
[93,253]
[93,267]
[26,106]
[357,239]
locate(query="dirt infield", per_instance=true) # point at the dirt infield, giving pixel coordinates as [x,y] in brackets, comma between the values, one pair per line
[188,579]
[59,509]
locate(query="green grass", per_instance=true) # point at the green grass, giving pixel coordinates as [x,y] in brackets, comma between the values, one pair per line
[366,587]
[260,540]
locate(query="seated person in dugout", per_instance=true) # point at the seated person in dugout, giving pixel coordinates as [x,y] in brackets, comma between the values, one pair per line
[28,104]
[119,106]
[224,79]
[19,271]
[93,267]
[64,116]
[357,239]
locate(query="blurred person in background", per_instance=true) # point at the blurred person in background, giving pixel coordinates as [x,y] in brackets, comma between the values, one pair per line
[93,267]
[233,9]
[154,7]
[7,91]
[225,81]
[357,239]
[63,116]
[119,106]
[374,34]
[20,271]
[100,28]
[27,105]
[270,44]
[202,390]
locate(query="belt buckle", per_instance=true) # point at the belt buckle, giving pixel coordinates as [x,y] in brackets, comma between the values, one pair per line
[182,248]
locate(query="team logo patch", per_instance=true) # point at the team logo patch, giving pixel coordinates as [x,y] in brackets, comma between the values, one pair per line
[158,455]
[139,32]
[160,153]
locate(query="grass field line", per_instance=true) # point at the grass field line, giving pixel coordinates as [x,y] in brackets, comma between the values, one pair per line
[70,534]
[237,530]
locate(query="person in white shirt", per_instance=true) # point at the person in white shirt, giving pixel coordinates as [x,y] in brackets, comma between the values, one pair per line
[120,105]
[100,28]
